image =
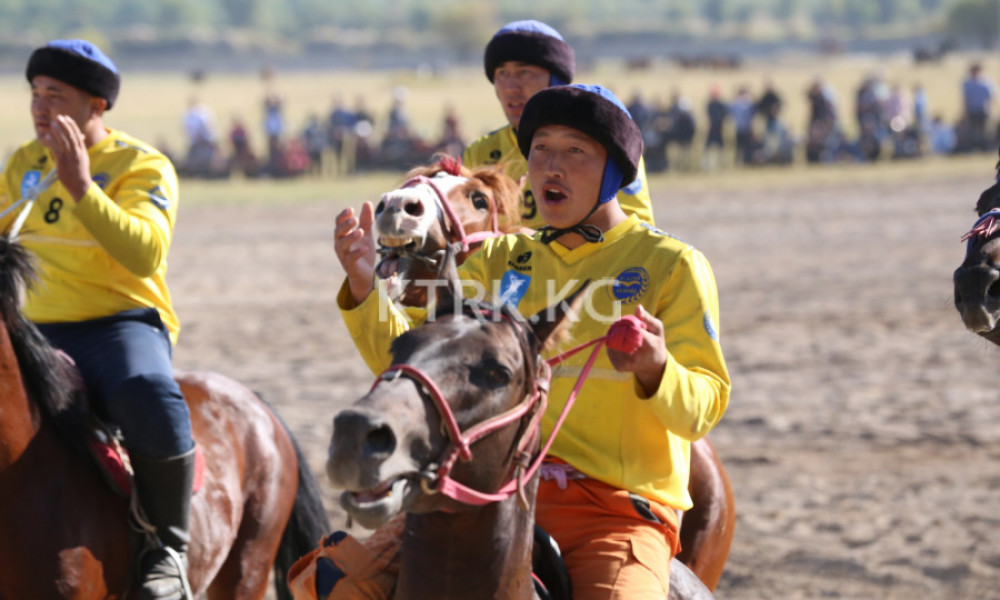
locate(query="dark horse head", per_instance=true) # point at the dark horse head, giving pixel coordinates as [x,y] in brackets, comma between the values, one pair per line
[977,280]
[439,204]
[467,364]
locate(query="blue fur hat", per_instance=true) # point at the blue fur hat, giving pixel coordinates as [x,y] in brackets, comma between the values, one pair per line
[593,110]
[79,63]
[534,43]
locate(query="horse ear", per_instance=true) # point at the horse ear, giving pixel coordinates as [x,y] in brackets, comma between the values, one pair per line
[447,294]
[550,323]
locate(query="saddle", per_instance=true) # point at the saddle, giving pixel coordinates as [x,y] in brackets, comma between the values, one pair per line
[105,442]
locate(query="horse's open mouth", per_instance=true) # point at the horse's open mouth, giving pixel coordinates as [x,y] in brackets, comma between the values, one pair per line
[388,266]
[377,505]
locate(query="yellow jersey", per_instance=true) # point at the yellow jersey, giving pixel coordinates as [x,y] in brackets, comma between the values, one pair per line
[500,147]
[613,433]
[108,252]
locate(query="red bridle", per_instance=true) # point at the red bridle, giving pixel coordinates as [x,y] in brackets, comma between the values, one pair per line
[449,213]
[623,335]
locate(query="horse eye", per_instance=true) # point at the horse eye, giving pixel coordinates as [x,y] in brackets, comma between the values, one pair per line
[491,375]
[480,201]
[500,375]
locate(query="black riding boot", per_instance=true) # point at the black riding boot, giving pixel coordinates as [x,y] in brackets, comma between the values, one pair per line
[164,489]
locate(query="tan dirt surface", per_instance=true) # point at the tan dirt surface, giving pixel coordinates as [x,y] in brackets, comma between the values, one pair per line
[864,430]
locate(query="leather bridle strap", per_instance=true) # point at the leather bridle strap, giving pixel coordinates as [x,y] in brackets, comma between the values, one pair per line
[449,213]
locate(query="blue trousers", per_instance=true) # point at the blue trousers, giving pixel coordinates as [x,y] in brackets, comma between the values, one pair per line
[125,361]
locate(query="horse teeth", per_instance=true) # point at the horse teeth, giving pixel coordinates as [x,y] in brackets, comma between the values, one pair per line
[393,241]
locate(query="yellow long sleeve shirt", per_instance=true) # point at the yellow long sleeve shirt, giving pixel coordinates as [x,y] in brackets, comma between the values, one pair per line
[613,433]
[500,147]
[108,252]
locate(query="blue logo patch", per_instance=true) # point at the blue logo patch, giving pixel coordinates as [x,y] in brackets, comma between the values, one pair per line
[158,198]
[709,325]
[101,179]
[513,286]
[630,285]
[635,187]
[29,181]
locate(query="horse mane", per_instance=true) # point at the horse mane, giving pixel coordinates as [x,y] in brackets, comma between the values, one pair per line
[989,199]
[506,191]
[42,372]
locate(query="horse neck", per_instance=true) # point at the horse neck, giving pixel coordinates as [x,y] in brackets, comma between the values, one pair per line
[482,552]
[19,418]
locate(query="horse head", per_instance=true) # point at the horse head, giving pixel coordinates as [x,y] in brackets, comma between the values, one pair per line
[459,408]
[977,280]
[437,205]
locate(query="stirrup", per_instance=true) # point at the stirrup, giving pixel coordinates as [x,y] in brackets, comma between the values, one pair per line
[174,557]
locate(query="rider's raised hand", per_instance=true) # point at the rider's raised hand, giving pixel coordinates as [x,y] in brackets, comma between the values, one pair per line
[69,149]
[354,243]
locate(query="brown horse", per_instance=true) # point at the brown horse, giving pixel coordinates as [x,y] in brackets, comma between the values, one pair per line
[977,279]
[439,204]
[457,454]
[65,531]
[444,203]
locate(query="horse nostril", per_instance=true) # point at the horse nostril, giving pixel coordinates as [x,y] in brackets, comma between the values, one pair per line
[380,207]
[380,441]
[994,290]
[414,208]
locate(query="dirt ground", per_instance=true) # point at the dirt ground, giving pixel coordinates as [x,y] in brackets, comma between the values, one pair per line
[864,420]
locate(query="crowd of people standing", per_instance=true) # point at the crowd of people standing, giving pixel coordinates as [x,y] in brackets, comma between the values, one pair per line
[890,121]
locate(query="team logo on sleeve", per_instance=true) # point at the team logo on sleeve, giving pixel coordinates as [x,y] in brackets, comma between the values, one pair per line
[513,286]
[635,187]
[159,198]
[630,285]
[29,182]
[710,328]
[101,179]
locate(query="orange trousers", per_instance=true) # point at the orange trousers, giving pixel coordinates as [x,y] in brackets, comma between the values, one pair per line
[616,545]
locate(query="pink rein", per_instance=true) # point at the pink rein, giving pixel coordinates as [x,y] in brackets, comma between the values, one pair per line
[456,226]
[624,334]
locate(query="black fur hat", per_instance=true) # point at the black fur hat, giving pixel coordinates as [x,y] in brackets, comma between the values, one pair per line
[534,43]
[591,109]
[79,63]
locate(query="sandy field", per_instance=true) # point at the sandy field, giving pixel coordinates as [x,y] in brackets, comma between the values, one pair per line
[864,420]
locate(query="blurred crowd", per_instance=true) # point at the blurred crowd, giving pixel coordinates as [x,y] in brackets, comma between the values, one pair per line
[341,142]
[890,121]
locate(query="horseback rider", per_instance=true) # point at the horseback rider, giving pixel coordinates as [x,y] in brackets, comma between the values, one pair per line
[618,470]
[100,224]
[522,58]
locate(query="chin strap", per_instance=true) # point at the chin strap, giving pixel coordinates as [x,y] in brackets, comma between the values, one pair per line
[590,233]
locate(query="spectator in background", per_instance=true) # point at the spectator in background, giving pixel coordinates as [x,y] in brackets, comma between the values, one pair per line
[340,126]
[199,127]
[314,140]
[940,136]
[274,127]
[640,111]
[451,142]
[717,112]
[742,110]
[977,96]
[682,130]
[243,158]
[920,107]
[769,106]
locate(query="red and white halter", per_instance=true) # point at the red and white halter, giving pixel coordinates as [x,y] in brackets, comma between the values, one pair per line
[624,334]
[441,185]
